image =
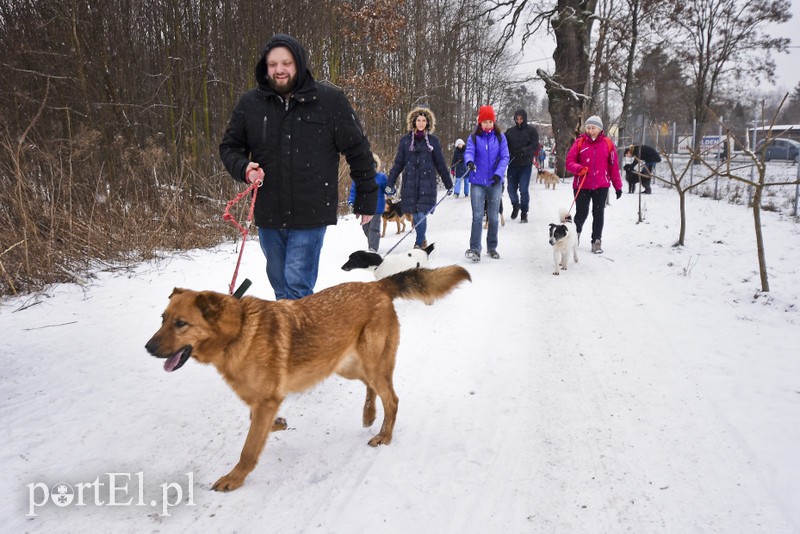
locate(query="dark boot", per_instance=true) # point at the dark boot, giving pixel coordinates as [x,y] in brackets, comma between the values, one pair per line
[515,211]
[524,217]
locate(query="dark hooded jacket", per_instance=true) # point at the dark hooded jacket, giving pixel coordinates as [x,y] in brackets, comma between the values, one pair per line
[419,160]
[523,141]
[645,153]
[297,143]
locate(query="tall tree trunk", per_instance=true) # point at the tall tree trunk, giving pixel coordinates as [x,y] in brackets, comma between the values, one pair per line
[631,59]
[762,258]
[567,86]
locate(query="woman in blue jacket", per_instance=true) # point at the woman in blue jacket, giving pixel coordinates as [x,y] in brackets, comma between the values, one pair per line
[373,228]
[486,157]
[458,168]
[419,157]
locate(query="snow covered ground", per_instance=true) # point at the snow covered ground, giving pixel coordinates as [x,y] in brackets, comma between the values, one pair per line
[650,389]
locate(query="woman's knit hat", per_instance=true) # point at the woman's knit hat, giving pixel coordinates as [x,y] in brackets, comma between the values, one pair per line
[595,120]
[486,113]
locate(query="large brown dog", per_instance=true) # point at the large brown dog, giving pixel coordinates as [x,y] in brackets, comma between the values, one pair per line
[266,350]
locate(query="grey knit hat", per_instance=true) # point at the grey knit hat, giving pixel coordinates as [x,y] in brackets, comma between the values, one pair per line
[594,120]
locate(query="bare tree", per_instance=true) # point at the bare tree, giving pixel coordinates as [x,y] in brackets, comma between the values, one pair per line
[717,40]
[683,182]
[568,86]
[741,172]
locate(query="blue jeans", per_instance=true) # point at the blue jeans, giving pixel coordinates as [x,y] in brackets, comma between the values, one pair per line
[519,178]
[480,194]
[457,187]
[420,227]
[292,260]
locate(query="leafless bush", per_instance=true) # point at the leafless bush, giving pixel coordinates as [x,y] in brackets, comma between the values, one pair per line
[70,208]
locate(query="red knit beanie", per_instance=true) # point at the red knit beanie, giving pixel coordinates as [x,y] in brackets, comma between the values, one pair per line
[486,113]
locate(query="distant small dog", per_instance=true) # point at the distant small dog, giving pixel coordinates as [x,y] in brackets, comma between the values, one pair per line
[563,238]
[393,213]
[548,178]
[391,264]
[486,215]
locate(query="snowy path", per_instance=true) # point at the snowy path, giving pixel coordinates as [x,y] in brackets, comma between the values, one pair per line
[643,391]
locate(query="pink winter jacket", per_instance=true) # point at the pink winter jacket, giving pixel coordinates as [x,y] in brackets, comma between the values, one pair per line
[599,157]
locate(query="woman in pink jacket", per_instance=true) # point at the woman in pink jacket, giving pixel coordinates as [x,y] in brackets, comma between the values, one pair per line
[594,162]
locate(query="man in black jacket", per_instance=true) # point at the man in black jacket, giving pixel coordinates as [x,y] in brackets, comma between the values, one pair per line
[288,133]
[523,141]
[648,156]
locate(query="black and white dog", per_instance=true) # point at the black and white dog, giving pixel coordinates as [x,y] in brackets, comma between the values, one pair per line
[564,239]
[391,264]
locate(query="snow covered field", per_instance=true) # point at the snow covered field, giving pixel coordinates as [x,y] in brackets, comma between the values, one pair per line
[650,389]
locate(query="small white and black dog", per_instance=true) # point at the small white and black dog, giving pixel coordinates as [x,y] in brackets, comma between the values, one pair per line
[563,238]
[391,264]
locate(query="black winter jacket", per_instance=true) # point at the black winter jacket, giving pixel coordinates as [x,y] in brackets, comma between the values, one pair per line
[297,143]
[645,153]
[523,142]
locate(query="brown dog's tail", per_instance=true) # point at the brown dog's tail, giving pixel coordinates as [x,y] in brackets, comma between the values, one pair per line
[423,284]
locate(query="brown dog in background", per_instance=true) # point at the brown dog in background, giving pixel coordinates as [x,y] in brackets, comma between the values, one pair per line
[549,178]
[393,213]
[266,350]
[486,214]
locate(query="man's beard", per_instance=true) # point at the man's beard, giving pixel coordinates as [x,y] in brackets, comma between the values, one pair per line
[282,88]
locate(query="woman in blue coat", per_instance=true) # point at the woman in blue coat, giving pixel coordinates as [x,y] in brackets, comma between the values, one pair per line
[373,228]
[419,157]
[487,158]
[458,168]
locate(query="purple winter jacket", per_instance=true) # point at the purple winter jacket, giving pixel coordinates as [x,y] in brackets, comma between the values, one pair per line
[489,152]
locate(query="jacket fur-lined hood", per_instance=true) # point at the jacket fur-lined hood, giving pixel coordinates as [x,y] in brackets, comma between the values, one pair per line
[416,112]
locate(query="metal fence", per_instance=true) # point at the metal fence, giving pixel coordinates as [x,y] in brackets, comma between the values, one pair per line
[718,147]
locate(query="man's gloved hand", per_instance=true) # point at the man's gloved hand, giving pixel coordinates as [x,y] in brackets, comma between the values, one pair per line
[619,193]
[452,172]
[449,191]
[496,179]
[390,190]
[471,166]
[253,173]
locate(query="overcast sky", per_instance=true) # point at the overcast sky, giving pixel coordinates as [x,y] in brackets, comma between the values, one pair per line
[538,53]
[788,71]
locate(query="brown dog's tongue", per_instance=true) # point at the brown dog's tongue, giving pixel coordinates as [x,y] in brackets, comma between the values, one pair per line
[172,361]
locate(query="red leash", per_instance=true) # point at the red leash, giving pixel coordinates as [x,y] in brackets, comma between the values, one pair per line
[243,230]
[584,172]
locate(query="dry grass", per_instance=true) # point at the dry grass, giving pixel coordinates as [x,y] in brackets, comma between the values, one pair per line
[68,209]
[75,207]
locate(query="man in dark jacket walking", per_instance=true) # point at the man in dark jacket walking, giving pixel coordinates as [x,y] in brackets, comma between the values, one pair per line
[288,133]
[523,141]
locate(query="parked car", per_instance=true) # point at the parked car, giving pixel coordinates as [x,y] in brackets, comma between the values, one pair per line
[780,148]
